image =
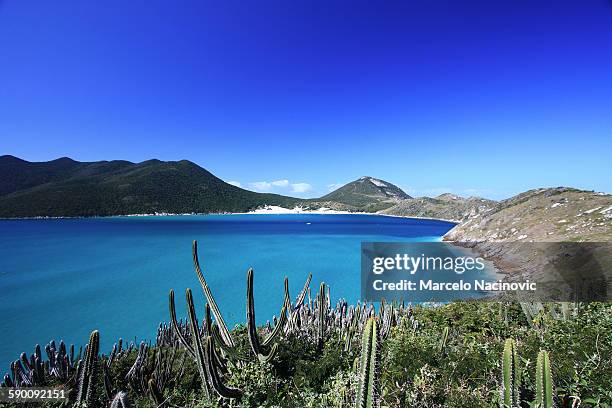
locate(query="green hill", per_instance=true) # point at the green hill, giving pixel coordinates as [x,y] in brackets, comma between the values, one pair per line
[65,187]
[367,194]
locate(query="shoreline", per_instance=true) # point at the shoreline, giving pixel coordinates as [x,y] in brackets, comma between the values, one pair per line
[267,210]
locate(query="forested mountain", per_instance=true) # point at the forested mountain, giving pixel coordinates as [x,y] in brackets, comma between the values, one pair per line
[65,187]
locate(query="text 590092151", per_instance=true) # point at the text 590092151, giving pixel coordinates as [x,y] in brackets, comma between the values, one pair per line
[33,394]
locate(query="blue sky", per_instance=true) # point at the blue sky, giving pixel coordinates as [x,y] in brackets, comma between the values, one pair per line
[474,97]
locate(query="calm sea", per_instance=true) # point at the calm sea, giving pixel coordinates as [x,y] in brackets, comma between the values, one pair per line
[60,279]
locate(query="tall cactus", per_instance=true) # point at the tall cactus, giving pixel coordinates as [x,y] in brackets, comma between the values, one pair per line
[544,385]
[89,369]
[510,376]
[322,316]
[294,309]
[367,394]
[261,350]
[299,301]
[223,330]
[177,330]
[205,358]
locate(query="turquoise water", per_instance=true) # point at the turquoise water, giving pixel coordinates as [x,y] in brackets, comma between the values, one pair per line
[60,279]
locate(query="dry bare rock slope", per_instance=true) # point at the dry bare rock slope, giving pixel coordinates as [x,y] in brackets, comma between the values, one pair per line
[542,215]
[445,206]
[518,235]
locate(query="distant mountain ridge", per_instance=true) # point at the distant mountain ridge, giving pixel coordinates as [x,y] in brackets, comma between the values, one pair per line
[69,188]
[65,187]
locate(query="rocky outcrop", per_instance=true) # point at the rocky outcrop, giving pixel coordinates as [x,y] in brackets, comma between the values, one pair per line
[521,236]
[446,206]
[541,215]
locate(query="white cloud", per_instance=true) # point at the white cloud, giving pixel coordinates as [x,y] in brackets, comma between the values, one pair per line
[280,183]
[280,186]
[260,186]
[300,187]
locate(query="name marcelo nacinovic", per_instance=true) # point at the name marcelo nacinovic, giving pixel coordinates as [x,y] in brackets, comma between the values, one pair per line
[399,265]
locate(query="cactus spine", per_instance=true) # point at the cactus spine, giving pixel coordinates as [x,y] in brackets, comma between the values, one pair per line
[89,370]
[544,386]
[510,376]
[367,394]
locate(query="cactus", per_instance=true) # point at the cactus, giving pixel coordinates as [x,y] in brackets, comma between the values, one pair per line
[121,401]
[350,332]
[213,375]
[206,359]
[175,325]
[278,329]
[225,333]
[89,368]
[197,342]
[367,394]
[155,393]
[443,340]
[263,352]
[322,309]
[299,302]
[108,383]
[300,299]
[510,376]
[232,352]
[544,385]
[287,300]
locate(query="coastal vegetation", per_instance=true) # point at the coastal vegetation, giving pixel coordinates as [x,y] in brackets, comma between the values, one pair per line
[319,354]
[68,188]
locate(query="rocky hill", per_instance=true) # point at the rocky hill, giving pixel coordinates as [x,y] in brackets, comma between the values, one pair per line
[519,237]
[65,187]
[445,206]
[365,194]
[542,215]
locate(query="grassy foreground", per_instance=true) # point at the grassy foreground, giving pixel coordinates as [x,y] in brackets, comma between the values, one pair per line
[318,355]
